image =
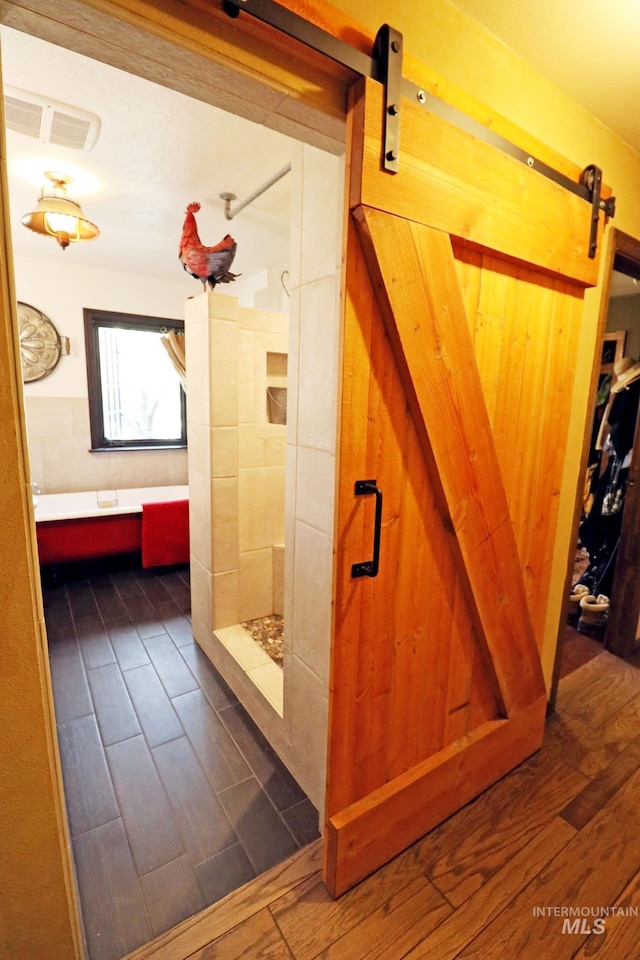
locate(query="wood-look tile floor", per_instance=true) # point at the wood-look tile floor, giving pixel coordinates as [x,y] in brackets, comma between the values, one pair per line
[561,832]
[173,796]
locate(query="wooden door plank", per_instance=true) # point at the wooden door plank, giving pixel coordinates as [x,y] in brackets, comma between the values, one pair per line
[467,677]
[412,267]
[565,312]
[533,306]
[487,289]
[525,328]
[389,819]
[445,173]
[491,349]
[499,324]
[469,263]
[379,610]
[421,654]
[482,702]
[512,410]
[360,314]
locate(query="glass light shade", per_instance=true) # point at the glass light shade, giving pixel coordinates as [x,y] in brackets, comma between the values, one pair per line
[60,215]
[60,223]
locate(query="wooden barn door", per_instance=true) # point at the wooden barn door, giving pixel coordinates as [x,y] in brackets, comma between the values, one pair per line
[465,273]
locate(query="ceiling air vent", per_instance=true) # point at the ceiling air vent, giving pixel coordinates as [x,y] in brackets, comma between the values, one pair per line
[50,121]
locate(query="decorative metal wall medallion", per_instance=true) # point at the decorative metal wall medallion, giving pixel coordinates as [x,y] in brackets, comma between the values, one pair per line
[40,344]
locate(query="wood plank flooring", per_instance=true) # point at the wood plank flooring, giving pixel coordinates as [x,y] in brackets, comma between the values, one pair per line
[174,798]
[559,833]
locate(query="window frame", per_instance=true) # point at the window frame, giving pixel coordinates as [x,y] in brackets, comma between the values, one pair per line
[93,321]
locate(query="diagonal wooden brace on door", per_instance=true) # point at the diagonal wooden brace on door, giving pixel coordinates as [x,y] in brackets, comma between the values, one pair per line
[413,269]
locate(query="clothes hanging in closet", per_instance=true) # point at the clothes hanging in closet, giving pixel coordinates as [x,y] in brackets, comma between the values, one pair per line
[600,531]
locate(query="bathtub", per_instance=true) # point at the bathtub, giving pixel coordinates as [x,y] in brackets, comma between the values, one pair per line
[91,523]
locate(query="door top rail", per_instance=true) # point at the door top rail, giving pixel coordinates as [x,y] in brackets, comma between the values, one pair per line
[386,69]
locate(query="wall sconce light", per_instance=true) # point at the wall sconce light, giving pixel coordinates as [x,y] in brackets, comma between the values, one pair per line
[59,215]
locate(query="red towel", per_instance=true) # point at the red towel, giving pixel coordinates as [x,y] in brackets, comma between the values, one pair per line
[165,533]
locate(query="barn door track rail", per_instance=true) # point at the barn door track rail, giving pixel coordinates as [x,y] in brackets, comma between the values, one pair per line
[385,66]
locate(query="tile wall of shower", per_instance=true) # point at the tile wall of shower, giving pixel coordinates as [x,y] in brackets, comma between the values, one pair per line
[298,729]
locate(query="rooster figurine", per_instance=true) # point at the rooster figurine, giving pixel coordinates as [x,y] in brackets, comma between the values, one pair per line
[209,264]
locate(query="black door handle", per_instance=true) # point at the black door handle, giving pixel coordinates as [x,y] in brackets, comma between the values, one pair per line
[370,568]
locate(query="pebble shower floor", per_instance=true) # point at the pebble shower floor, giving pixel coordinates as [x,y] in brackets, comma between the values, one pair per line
[268,632]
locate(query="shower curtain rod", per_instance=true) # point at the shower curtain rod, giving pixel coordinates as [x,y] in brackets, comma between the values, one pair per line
[228,197]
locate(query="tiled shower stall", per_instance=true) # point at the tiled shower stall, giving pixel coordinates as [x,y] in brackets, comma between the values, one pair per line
[257,486]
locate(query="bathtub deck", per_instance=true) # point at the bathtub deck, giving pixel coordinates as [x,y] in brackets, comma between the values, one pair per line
[86,503]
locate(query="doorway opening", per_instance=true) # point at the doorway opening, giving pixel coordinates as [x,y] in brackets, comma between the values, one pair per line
[313,283]
[624,632]
[603,612]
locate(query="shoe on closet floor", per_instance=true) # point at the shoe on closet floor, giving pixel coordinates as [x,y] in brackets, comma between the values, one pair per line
[577,593]
[594,613]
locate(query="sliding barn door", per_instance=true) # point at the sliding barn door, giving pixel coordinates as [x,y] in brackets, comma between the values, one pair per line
[463,294]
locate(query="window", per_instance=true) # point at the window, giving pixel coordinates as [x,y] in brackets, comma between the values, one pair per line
[135,396]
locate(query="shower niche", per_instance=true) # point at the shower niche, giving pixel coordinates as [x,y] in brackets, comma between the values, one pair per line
[276,392]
